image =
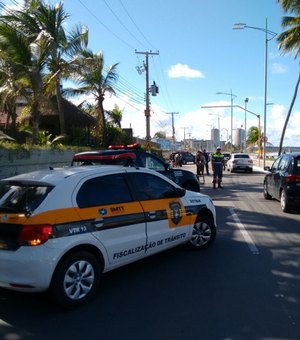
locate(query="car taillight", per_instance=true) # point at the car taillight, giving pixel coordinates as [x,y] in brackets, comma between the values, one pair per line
[293,178]
[34,235]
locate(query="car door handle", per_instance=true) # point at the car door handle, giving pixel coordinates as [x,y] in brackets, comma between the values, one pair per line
[152,214]
[98,224]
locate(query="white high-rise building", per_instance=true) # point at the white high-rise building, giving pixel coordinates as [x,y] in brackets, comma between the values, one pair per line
[215,137]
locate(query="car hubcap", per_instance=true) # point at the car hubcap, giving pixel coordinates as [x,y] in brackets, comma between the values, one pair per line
[201,234]
[79,280]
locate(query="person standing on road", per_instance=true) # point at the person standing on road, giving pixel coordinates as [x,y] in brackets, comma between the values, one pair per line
[200,162]
[217,161]
[206,156]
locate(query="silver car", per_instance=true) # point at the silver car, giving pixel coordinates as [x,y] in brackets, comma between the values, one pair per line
[240,162]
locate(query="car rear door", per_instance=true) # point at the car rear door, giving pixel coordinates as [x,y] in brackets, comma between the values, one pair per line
[167,222]
[118,220]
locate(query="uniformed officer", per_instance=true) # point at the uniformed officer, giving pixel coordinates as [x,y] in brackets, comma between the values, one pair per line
[217,161]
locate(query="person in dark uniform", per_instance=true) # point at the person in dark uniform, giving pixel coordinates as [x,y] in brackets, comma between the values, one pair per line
[205,154]
[217,161]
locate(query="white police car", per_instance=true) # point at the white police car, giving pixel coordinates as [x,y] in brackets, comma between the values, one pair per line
[60,229]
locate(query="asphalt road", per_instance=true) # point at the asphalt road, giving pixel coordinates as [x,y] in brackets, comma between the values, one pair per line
[246,286]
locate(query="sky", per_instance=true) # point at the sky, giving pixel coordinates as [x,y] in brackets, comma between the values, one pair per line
[196,54]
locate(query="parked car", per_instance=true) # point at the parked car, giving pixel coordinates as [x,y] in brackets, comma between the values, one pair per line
[133,155]
[184,156]
[282,181]
[62,228]
[227,156]
[240,161]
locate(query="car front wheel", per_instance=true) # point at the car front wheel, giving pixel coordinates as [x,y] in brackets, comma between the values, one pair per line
[267,196]
[76,279]
[203,234]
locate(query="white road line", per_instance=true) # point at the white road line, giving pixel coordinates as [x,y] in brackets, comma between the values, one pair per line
[245,233]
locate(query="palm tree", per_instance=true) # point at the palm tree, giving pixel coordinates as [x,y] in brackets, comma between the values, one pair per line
[115,116]
[27,55]
[93,79]
[289,42]
[41,20]
[62,48]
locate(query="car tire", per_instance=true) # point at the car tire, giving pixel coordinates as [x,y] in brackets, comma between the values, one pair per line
[267,196]
[285,207]
[76,279]
[203,234]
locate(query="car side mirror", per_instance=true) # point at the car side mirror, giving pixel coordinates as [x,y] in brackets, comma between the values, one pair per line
[180,192]
[167,167]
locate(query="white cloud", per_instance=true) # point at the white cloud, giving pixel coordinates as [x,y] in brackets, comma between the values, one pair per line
[277,68]
[184,71]
[198,123]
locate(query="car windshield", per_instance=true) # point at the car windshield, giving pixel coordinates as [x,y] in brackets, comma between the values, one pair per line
[21,198]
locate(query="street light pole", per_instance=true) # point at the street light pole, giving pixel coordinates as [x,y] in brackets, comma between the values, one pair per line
[272,35]
[245,141]
[232,96]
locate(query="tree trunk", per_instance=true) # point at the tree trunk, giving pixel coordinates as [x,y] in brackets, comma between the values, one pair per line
[60,109]
[288,115]
[103,123]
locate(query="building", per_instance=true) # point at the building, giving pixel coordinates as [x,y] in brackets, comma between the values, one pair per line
[215,137]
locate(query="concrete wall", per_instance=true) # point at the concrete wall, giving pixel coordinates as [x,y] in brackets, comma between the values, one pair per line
[14,162]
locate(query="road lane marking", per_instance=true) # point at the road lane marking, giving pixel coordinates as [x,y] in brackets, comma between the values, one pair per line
[244,232]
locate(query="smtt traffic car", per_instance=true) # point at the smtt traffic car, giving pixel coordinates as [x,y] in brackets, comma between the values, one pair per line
[60,229]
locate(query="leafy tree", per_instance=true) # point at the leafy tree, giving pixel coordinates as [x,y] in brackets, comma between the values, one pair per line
[27,55]
[253,135]
[160,134]
[289,42]
[115,116]
[62,47]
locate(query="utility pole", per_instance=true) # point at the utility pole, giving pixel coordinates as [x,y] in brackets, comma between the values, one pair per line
[173,128]
[184,136]
[147,110]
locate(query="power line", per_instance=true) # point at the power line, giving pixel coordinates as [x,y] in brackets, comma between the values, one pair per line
[106,27]
[136,25]
[119,20]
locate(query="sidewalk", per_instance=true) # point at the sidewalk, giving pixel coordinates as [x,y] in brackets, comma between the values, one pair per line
[258,164]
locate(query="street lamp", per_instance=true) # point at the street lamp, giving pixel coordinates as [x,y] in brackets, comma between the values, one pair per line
[246,101]
[232,96]
[272,35]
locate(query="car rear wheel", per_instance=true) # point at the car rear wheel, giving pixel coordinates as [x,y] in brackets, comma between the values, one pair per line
[203,234]
[76,279]
[285,207]
[267,196]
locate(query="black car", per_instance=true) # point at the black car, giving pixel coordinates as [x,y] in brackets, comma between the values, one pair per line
[133,155]
[282,181]
[184,157]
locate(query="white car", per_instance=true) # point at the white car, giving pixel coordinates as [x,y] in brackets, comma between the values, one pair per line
[240,162]
[60,229]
